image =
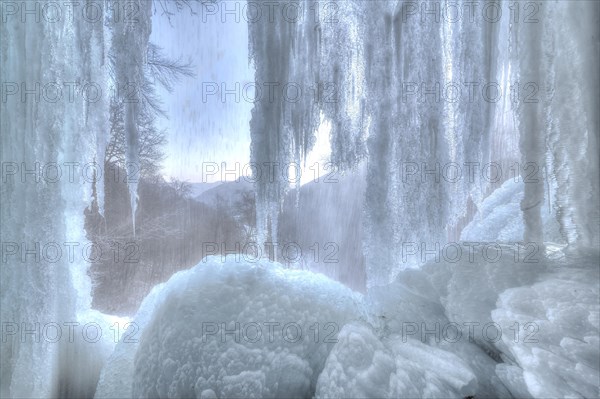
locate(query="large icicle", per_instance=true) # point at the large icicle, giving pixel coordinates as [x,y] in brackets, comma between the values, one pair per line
[282,125]
[129,48]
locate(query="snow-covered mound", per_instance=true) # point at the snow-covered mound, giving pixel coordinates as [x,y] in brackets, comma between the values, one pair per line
[410,349]
[364,366]
[469,289]
[239,329]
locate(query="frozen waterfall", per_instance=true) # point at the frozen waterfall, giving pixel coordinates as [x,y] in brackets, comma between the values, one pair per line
[452,126]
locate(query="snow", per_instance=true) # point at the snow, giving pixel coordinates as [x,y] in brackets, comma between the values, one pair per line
[115,380]
[392,343]
[186,344]
[552,353]
[547,313]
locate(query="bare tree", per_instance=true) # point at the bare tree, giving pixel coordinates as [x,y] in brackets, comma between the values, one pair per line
[247,215]
[151,140]
[168,8]
[182,188]
[167,72]
[159,69]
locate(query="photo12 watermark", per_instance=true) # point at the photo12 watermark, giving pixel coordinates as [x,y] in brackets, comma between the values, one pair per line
[37,252]
[69,332]
[452,332]
[289,252]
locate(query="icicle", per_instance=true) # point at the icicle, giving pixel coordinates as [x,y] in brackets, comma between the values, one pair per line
[372,50]
[129,45]
[102,116]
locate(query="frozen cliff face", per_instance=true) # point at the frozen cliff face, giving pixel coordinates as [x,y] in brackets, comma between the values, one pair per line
[44,116]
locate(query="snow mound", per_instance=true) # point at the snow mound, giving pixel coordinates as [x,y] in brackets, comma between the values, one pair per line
[239,329]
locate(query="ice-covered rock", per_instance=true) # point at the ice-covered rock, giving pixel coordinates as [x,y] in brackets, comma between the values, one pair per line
[469,289]
[363,365]
[241,329]
[538,319]
[557,348]
[411,319]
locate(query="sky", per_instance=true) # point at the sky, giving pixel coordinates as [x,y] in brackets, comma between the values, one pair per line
[202,130]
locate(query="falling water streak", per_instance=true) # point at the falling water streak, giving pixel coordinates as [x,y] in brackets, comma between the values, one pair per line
[532,127]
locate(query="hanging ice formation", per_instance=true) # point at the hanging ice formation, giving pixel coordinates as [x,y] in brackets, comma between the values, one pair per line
[522,76]
[129,47]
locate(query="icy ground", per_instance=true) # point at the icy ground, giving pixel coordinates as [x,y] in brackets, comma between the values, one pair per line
[431,333]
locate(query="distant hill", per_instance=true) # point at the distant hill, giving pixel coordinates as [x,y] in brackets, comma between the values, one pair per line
[198,189]
[228,192]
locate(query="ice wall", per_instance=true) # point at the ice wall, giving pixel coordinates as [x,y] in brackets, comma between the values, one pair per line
[37,133]
[55,91]
[571,57]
